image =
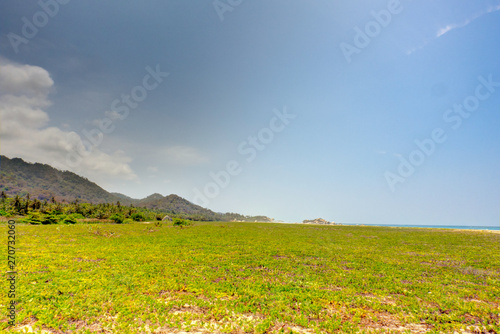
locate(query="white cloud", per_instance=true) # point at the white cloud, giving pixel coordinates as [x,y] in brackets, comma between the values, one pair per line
[449,27]
[24,79]
[421,46]
[467,21]
[24,132]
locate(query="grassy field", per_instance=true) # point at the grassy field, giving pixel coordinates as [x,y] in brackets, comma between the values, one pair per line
[254,278]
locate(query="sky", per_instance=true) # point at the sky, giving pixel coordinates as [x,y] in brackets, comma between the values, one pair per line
[372,112]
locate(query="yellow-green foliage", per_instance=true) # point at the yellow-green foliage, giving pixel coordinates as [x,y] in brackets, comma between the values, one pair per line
[264,278]
[181,222]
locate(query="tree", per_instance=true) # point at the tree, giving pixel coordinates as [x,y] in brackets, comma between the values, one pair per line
[36,205]
[27,204]
[17,204]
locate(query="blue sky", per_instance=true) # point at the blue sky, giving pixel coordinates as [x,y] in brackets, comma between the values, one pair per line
[348,120]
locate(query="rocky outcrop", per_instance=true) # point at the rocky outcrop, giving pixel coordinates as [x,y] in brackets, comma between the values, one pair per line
[319,221]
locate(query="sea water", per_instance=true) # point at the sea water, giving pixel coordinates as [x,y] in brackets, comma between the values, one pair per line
[460,227]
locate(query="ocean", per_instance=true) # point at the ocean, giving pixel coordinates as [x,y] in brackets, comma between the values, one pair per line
[492,228]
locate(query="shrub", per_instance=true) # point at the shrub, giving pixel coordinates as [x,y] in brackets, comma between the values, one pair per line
[102,215]
[138,217]
[70,219]
[36,218]
[50,219]
[33,219]
[181,222]
[117,218]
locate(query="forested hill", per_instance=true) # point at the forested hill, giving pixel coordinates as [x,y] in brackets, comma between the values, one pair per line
[43,182]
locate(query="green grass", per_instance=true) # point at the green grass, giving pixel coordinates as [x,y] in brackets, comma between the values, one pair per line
[262,278]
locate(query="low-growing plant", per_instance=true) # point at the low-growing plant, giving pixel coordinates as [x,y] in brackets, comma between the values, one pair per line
[96,221]
[260,278]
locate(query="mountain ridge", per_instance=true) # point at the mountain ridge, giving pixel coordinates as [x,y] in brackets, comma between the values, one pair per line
[44,182]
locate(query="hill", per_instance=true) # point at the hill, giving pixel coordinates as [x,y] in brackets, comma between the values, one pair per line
[43,182]
[174,204]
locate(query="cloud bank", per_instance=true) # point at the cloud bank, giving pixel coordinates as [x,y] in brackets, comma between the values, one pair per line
[24,130]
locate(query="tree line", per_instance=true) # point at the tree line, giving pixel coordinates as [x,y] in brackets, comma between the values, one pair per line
[35,211]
